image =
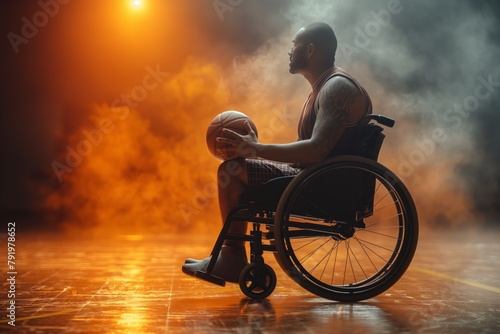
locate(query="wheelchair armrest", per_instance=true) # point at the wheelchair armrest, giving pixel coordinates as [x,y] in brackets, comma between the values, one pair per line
[384,120]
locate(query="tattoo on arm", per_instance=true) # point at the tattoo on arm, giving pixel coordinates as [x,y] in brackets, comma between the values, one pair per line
[335,99]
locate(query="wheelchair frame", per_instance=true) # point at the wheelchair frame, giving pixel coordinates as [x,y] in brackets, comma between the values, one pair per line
[305,235]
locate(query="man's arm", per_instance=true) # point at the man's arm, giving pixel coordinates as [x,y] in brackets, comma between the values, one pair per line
[336,97]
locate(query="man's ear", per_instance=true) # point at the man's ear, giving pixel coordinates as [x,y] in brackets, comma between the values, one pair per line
[310,49]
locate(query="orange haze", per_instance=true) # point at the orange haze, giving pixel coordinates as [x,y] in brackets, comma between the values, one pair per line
[152,172]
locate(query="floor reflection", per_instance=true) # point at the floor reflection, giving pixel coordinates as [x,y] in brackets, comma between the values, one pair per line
[133,284]
[285,315]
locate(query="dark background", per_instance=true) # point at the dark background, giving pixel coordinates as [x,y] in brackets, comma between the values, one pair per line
[428,58]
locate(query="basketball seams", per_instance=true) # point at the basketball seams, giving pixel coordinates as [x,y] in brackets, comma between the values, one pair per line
[233,120]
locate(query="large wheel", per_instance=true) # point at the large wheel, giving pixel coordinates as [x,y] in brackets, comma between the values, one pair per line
[346,230]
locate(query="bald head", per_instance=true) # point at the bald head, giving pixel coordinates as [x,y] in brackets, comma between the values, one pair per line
[323,38]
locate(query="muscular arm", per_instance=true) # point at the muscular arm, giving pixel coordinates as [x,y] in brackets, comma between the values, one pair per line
[335,100]
[337,97]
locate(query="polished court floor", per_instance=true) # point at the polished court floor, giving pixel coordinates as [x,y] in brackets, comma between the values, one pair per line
[133,284]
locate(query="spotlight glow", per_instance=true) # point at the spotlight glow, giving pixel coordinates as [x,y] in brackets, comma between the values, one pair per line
[136,4]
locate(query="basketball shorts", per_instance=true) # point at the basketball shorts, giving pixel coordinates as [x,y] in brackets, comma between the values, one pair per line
[260,171]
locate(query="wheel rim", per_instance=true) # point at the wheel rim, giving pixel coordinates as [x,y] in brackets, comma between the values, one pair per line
[372,258]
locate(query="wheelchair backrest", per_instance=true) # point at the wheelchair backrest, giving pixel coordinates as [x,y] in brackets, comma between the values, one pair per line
[370,136]
[370,139]
[370,142]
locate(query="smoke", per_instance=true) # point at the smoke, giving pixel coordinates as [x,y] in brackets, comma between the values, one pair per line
[434,68]
[152,158]
[422,63]
[431,66]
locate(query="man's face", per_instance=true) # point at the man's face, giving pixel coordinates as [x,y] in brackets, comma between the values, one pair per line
[297,54]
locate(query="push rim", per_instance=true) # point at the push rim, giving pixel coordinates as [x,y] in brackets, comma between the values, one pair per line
[344,267]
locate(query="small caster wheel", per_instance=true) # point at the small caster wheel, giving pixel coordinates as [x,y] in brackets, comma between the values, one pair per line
[257,281]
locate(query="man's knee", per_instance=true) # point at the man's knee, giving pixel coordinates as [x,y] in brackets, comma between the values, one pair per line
[231,171]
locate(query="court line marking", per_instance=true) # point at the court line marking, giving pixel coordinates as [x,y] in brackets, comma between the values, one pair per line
[460,280]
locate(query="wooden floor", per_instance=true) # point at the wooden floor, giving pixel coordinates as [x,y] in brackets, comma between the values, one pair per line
[133,284]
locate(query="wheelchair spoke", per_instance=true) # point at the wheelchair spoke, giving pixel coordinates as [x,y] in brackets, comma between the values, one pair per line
[383,220]
[382,234]
[335,261]
[366,243]
[384,196]
[361,259]
[383,207]
[366,253]
[366,247]
[306,243]
[328,254]
[347,261]
[312,252]
[357,261]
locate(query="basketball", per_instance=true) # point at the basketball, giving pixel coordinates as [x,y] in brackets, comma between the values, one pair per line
[231,119]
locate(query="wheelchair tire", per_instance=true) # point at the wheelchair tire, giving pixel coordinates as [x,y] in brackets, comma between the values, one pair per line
[257,281]
[364,261]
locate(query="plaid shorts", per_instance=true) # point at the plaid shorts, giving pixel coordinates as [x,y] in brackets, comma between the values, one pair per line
[260,171]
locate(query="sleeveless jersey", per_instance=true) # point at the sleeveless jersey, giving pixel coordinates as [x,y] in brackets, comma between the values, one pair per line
[346,143]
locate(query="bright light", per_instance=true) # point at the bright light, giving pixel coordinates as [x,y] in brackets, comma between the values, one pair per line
[136,3]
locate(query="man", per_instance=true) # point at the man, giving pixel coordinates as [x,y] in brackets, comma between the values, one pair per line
[336,105]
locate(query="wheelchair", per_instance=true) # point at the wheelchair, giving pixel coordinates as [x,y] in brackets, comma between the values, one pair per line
[345,229]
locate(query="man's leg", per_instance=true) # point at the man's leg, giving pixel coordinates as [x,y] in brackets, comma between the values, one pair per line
[234,178]
[232,183]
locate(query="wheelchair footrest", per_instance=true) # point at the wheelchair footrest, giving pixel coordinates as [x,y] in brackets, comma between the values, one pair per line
[210,278]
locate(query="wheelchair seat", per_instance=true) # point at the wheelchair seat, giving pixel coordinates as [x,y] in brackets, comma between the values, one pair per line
[268,194]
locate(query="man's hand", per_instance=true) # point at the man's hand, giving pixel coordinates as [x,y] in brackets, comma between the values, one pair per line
[234,145]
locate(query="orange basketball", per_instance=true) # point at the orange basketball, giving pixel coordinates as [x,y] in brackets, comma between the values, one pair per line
[231,119]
